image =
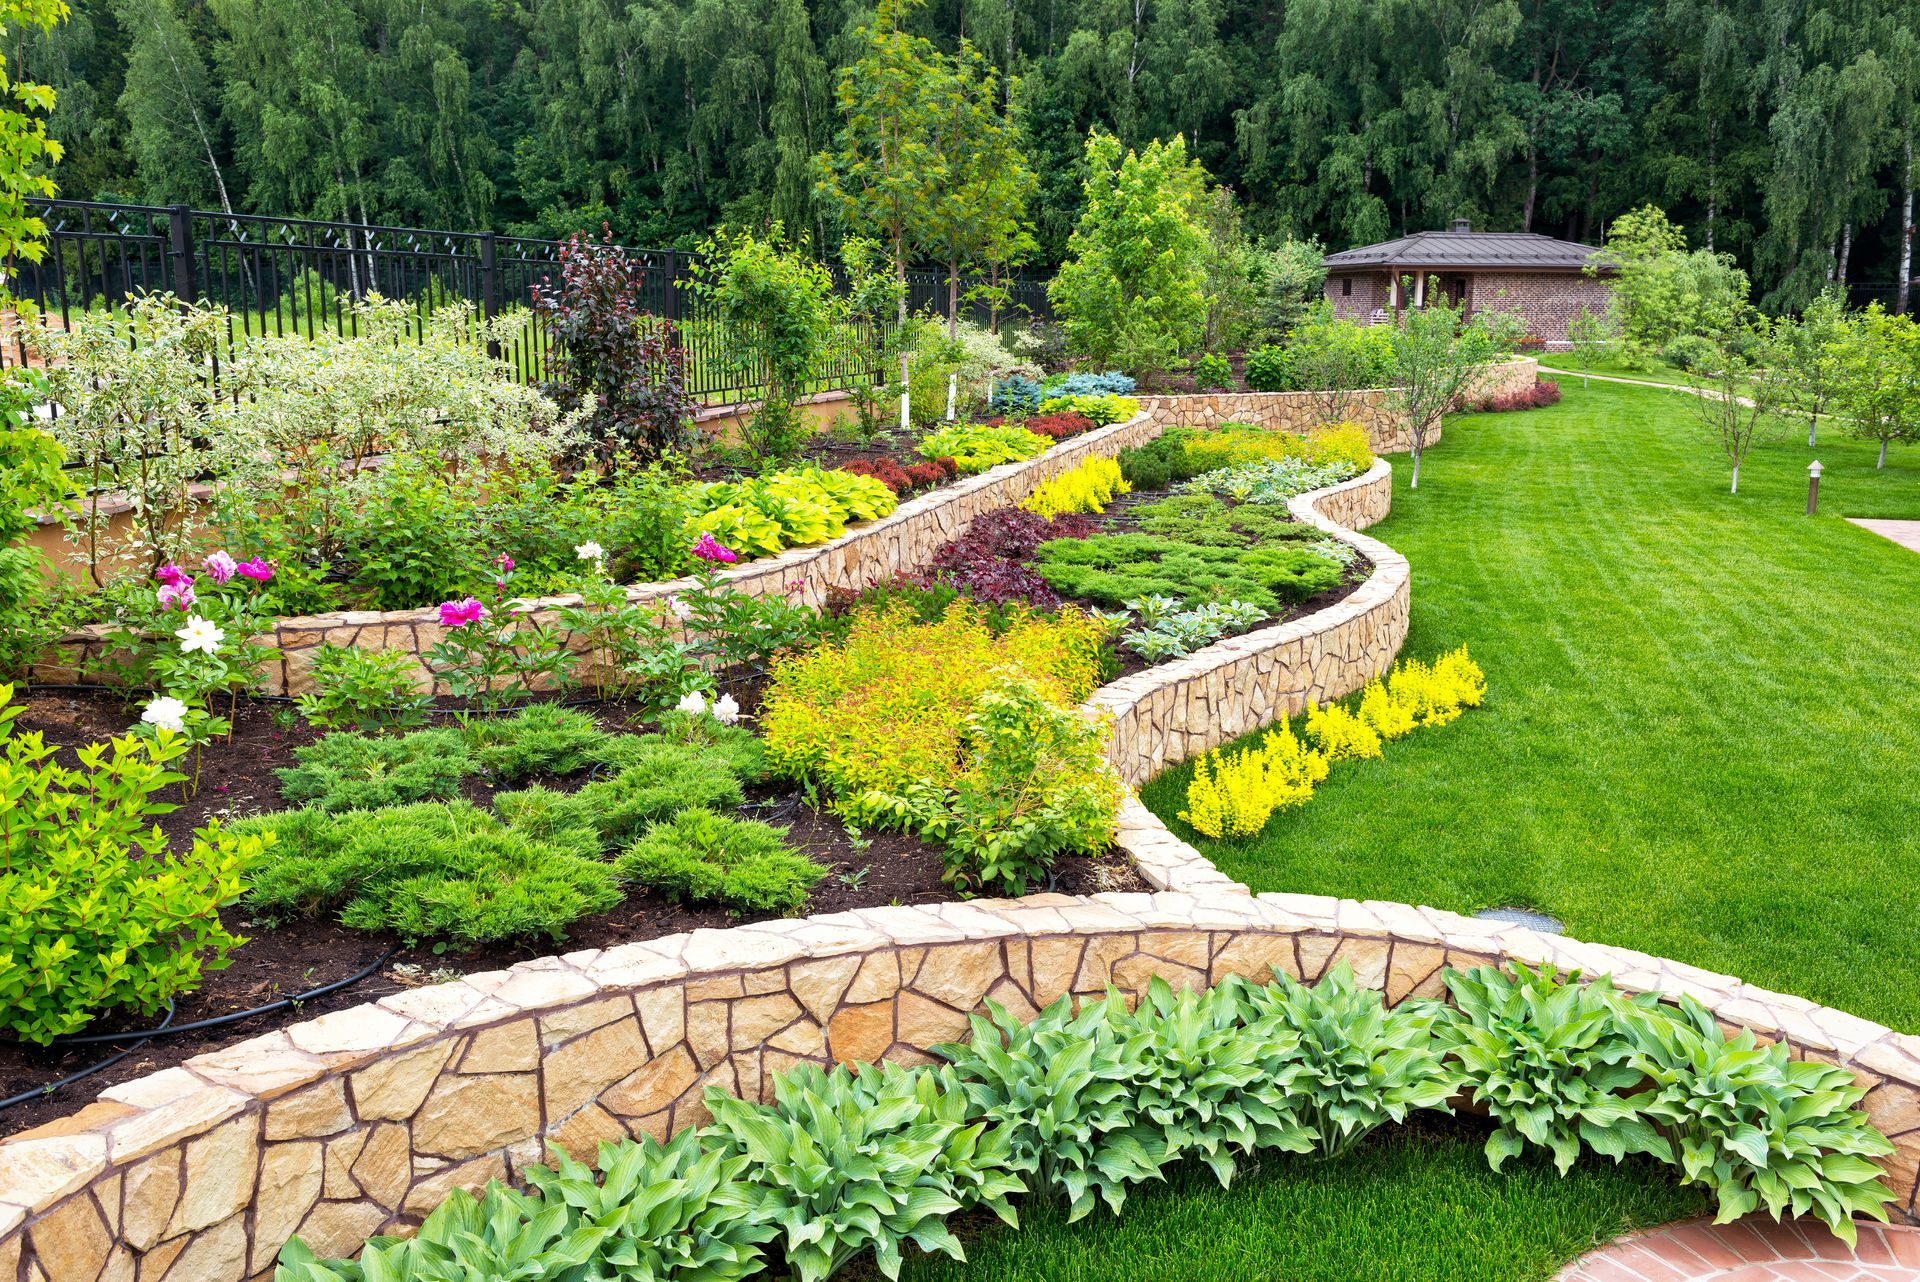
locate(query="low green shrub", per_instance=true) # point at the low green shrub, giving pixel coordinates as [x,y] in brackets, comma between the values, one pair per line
[658,782]
[737,747]
[1213,373]
[867,1159]
[1204,518]
[698,856]
[95,912]
[447,873]
[1270,369]
[365,772]
[1112,569]
[662,1213]
[542,738]
[371,691]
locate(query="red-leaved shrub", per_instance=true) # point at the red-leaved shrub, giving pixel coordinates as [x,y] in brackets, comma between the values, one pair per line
[1542,394]
[1060,425]
[904,479]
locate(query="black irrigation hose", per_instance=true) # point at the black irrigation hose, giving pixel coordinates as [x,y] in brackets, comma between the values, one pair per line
[41,1092]
[77,687]
[169,1029]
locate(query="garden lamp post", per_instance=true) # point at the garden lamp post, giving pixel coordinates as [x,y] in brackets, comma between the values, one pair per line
[1813,486]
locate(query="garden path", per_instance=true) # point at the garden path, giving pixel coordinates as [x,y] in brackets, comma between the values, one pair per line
[1905,533]
[1752,1250]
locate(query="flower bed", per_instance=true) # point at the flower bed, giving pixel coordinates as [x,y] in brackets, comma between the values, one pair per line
[201,1166]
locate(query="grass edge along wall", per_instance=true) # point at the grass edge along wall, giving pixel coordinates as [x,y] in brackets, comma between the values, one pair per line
[366,1118]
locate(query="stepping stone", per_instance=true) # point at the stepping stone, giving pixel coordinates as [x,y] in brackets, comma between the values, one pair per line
[1905,533]
[1752,1250]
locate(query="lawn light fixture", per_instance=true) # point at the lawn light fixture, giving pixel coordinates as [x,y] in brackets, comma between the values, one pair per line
[1813,486]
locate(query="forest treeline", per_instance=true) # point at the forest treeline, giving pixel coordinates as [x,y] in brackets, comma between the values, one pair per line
[1780,131]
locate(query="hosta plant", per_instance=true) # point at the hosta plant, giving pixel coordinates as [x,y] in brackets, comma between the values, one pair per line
[1210,1085]
[1548,1058]
[1759,1128]
[655,1213]
[1058,1087]
[1361,1063]
[874,1158]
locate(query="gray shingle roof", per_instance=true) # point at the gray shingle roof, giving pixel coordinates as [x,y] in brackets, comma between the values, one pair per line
[1467,249]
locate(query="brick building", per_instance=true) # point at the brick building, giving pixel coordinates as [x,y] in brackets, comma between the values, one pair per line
[1542,280]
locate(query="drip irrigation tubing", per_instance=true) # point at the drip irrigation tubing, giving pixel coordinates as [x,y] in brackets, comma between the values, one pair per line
[167,1028]
[80,687]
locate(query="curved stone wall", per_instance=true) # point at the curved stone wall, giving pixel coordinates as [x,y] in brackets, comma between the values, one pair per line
[360,1121]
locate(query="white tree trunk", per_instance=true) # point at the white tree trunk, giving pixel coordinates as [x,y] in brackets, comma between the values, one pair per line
[1906,234]
[1736,479]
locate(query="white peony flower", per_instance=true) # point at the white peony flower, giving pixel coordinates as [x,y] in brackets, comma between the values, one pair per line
[166,712]
[200,634]
[693,703]
[681,610]
[726,710]
[589,551]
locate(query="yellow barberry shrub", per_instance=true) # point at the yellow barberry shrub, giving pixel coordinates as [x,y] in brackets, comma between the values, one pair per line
[1462,677]
[1233,794]
[1341,734]
[1087,488]
[1342,443]
[1390,717]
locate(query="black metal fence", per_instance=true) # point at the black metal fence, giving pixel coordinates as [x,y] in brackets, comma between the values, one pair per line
[296,276]
[1886,294]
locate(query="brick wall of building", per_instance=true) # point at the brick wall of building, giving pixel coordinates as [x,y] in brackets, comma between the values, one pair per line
[1357,297]
[1544,301]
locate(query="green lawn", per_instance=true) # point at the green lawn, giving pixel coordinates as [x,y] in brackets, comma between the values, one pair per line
[1703,719]
[1414,1204]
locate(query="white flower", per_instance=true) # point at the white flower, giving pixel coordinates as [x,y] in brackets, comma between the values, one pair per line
[166,712]
[200,634]
[726,710]
[693,703]
[681,610]
[589,551]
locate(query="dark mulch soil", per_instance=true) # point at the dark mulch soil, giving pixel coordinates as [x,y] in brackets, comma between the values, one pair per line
[237,779]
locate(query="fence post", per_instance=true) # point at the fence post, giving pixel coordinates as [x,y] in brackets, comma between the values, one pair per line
[489,286]
[180,251]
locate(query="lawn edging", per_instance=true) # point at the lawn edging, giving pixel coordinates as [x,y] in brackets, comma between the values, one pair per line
[360,1121]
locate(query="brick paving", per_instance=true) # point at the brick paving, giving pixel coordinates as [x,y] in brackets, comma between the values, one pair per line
[1905,533]
[1752,1250]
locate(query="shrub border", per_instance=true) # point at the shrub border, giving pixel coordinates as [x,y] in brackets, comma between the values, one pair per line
[361,1120]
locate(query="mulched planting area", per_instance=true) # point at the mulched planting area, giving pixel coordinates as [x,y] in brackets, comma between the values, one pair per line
[238,780]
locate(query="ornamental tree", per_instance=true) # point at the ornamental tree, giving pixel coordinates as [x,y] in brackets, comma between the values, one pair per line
[1664,291]
[1877,378]
[1436,359]
[1809,355]
[1132,292]
[1595,337]
[1741,395]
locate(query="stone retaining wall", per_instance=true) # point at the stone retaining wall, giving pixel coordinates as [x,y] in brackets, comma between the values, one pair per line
[1303,411]
[1184,707]
[360,1121]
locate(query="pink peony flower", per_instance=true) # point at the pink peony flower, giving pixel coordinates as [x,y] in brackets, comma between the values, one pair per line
[711,549]
[458,614]
[172,575]
[506,563]
[221,567]
[177,595]
[256,569]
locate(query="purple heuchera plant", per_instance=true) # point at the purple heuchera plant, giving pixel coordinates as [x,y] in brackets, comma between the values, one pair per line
[988,562]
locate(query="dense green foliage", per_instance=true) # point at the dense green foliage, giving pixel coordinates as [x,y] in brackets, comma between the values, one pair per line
[698,856]
[1750,816]
[1771,129]
[95,911]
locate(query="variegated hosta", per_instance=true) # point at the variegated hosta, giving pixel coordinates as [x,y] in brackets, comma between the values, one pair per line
[1208,1085]
[1547,1057]
[1360,1064]
[1757,1127]
[1059,1088]
[654,1214]
[874,1158]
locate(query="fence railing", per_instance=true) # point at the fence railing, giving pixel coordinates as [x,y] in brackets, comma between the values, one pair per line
[298,276]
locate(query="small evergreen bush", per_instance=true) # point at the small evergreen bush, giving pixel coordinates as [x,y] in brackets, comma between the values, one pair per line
[543,738]
[361,772]
[698,856]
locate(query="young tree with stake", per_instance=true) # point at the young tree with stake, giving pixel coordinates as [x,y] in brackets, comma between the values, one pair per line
[1742,396]
[1436,360]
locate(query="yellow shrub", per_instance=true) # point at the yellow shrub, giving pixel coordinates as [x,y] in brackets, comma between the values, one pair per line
[1462,677]
[1233,794]
[1342,442]
[1435,694]
[1087,488]
[1389,716]
[1341,734]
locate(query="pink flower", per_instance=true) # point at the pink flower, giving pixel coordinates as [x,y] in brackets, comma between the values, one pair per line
[711,549]
[221,567]
[256,569]
[177,595]
[458,614]
[505,563]
[172,575]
